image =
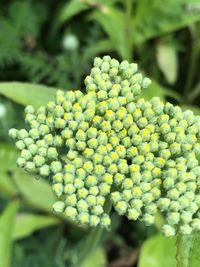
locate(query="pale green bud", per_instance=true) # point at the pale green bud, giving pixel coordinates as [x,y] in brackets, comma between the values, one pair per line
[173,218]
[105,220]
[30,166]
[56,166]
[104,189]
[58,189]
[71,213]
[94,220]
[82,206]
[121,207]
[44,170]
[133,214]
[13,133]
[52,153]
[59,206]
[38,160]
[97,210]
[34,133]
[168,230]
[174,206]
[91,200]
[82,193]
[118,178]
[148,219]
[163,204]
[69,189]
[26,154]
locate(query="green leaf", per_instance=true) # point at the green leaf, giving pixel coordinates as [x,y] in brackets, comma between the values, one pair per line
[8,158]
[158,251]
[27,93]
[96,258]
[6,231]
[195,109]
[113,21]
[156,89]
[71,9]
[37,193]
[26,224]
[155,18]
[8,155]
[7,186]
[104,45]
[188,250]
[167,61]
[153,90]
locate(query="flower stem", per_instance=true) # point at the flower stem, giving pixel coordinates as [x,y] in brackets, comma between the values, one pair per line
[129,6]
[192,64]
[93,240]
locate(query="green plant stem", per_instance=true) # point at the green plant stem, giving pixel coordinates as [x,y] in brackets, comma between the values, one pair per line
[192,64]
[93,240]
[177,249]
[129,7]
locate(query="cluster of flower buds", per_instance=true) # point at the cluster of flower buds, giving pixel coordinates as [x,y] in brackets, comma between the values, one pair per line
[111,145]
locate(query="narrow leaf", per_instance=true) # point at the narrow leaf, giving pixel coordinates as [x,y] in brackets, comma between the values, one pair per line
[36,193]
[7,220]
[153,90]
[167,61]
[27,93]
[96,258]
[155,18]
[158,251]
[7,186]
[71,9]
[112,21]
[8,155]
[26,224]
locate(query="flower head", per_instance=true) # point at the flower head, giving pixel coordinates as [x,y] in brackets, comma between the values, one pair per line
[111,144]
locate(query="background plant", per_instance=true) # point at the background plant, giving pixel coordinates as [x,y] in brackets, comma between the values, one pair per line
[54,44]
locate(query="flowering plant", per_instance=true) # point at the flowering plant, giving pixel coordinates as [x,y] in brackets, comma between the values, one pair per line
[111,147]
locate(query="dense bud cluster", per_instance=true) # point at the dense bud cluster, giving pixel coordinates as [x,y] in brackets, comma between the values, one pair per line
[111,144]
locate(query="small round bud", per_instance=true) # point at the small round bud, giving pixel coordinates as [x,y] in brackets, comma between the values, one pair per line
[59,206]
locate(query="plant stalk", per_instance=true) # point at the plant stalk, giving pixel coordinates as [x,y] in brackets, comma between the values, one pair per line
[129,7]
[192,64]
[93,240]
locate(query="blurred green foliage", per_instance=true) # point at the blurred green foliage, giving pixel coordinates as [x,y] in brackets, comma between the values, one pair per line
[53,43]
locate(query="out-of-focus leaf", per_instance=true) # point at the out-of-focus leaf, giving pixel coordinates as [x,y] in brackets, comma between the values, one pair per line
[173,94]
[27,93]
[113,21]
[167,61]
[188,250]
[153,90]
[7,220]
[7,186]
[8,157]
[155,17]
[195,109]
[37,193]
[96,258]
[104,45]
[71,9]
[26,224]
[194,93]
[158,251]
